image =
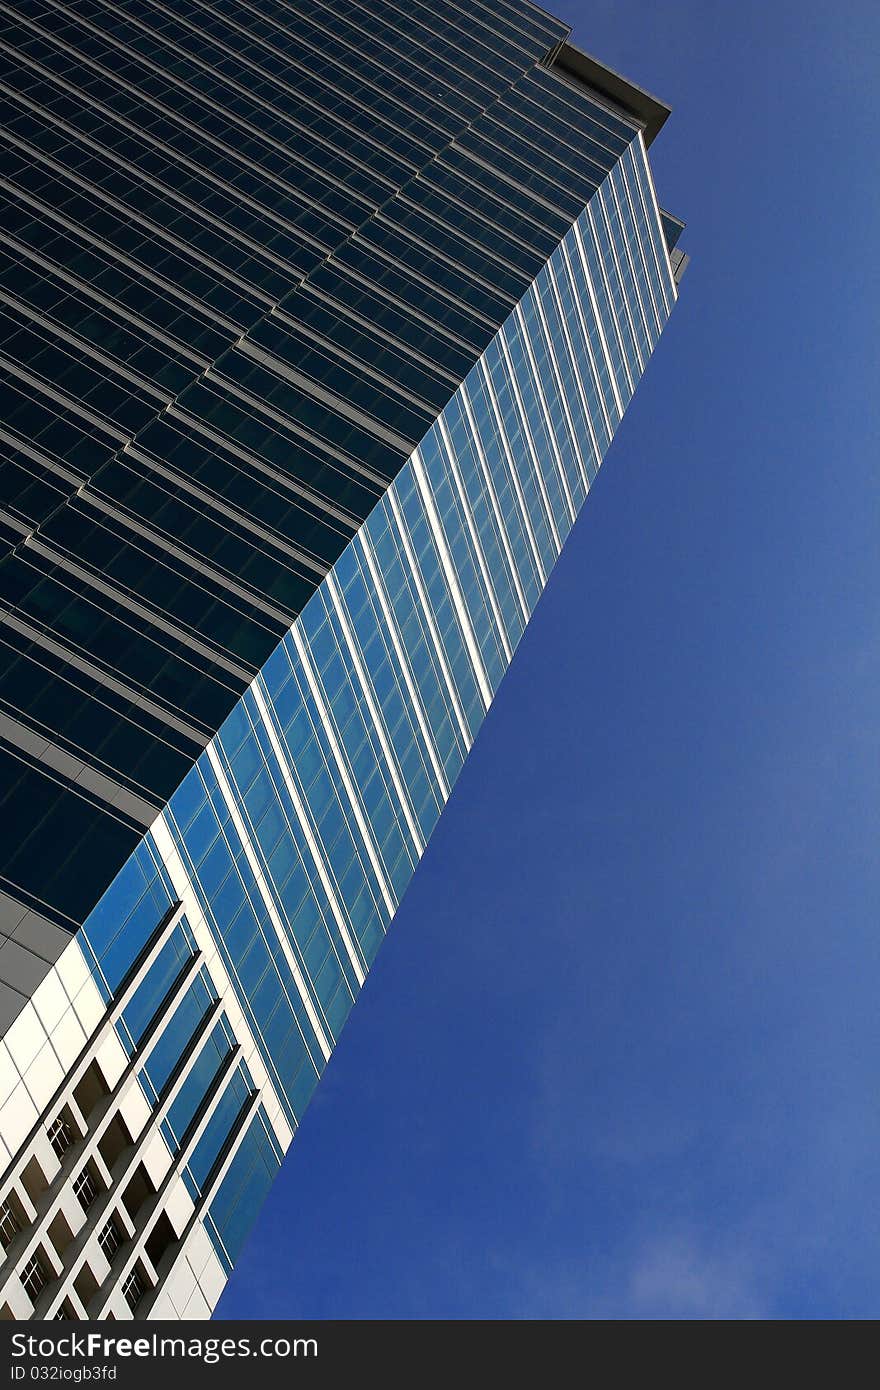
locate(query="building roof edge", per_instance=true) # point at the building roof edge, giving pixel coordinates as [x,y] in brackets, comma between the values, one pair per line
[648,110]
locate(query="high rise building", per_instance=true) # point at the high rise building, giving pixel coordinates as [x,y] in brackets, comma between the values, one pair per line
[317,323]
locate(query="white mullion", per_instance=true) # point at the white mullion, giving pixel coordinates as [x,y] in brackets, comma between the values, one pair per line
[612,308]
[659,225]
[651,231]
[627,245]
[625,199]
[216,967]
[254,864]
[576,373]
[563,394]
[514,475]
[373,852]
[585,267]
[403,662]
[263,705]
[603,211]
[494,503]
[530,443]
[451,577]
[413,563]
[633,187]
[339,759]
[475,540]
[614,256]
[548,419]
[571,285]
[375,712]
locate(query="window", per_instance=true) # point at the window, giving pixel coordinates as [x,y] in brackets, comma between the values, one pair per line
[60,1136]
[110,1238]
[9,1226]
[133,1289]
[85,1189]
[34,1277]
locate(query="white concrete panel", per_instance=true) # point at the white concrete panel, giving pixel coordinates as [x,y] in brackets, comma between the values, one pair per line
[90,1007]
[156,1159]
[44,1076]
[25,1038]
[18,1300]
[212,1280]
[282,1130]
[134,1109]
[197,1309]
[163,1310]
[68,1038]
[72,970]
[17,1117]
[98,1262]
[198,1248]
[50,1001]
[179,1207]
[9,1075]
[180,1283]
[111,1058]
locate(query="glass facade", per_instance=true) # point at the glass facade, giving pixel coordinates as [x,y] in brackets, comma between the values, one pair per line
[244,269]
[320,323]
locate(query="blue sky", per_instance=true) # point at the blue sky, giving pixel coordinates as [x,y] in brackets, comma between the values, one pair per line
[619,1056]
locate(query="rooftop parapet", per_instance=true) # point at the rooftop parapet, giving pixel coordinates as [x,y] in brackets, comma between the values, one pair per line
[635,102]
